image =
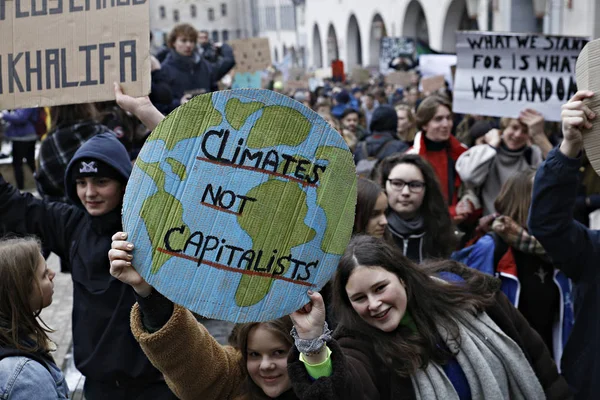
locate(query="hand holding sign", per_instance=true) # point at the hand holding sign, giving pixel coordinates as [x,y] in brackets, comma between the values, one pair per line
[121,266]
[310,319]
[576,116]
[234,204]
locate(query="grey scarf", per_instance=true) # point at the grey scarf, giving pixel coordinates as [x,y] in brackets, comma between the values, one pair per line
[405,227]
[493,363]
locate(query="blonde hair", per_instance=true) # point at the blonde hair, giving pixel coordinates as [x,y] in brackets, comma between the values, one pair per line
[505,121]
[409,136]
[19,259]
[514,198]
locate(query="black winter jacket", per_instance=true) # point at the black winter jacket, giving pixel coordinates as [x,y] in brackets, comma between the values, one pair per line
[194,73]
[575,250]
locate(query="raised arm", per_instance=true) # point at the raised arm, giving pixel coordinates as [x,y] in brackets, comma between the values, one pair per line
[572,247]
[141,107]
[194,364]
[473,166]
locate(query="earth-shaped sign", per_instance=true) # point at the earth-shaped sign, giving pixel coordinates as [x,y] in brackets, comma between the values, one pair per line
[239,203]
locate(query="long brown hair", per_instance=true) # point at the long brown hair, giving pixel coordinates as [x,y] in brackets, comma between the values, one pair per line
[20,325]
[430,302]
[367,194]
[70,114]
[440,240]
[281,327]
[514,198]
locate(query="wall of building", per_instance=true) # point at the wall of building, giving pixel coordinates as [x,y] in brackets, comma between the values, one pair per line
[227,20]
[345,28]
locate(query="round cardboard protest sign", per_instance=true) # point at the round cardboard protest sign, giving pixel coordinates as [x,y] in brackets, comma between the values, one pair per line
[588,78]
[239,203]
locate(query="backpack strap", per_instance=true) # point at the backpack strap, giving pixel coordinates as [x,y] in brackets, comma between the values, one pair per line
[500,248]
[382,148]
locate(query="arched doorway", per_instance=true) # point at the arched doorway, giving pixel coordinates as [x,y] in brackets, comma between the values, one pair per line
[378,30]
[317,60]
[333,52]
[457,19]
[354,46]
[527,15]
[415,23]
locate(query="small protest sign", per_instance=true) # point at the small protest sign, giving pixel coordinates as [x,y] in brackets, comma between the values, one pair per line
[400,78]
[239,202]
[437,64]
[500,74]
[301,84]
[433,83]
[247,80]
[395,47]
[360,75]
[588,78]
[251,55]
[64,52]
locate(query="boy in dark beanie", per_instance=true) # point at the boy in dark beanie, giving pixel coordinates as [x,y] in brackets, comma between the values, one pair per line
[383,140]
[104,348]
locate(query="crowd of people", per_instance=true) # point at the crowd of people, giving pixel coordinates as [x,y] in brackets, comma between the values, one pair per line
[470,275]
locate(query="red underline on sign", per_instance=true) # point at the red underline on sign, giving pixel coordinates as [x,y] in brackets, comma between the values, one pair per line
[300,181]
[220,208]
[231,269]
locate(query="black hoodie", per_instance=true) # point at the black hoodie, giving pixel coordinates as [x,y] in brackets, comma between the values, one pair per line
[104,348]
[384,124]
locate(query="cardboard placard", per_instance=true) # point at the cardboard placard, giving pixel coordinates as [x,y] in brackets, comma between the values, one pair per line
[239,202]
[360,75]
[394,47]
[433,83]
[400,78]
[297,85]
[500,74]
[65,52]
[588,74]
[324,73]
[251,55]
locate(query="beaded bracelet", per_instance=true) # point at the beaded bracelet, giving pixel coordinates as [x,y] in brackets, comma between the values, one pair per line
[311,347]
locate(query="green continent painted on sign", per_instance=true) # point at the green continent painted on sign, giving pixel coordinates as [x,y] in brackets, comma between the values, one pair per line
[268,224]
[237,112]
[157,224]
[340,217]
[177,167]
[279,126]
[188,122]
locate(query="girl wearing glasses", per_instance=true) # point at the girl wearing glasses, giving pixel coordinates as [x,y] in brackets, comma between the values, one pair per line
[418,218]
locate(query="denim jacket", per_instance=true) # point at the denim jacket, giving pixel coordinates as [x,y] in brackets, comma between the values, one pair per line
[22,378]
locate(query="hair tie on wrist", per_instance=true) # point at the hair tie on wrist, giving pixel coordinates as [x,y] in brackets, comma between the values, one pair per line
[310,347]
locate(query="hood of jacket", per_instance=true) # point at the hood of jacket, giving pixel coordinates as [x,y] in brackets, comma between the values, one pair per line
[384,119]
[103,147]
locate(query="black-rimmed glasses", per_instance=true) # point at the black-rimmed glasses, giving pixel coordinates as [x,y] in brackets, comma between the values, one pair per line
[413,186]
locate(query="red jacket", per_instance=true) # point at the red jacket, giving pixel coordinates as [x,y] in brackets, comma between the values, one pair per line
[439,162]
